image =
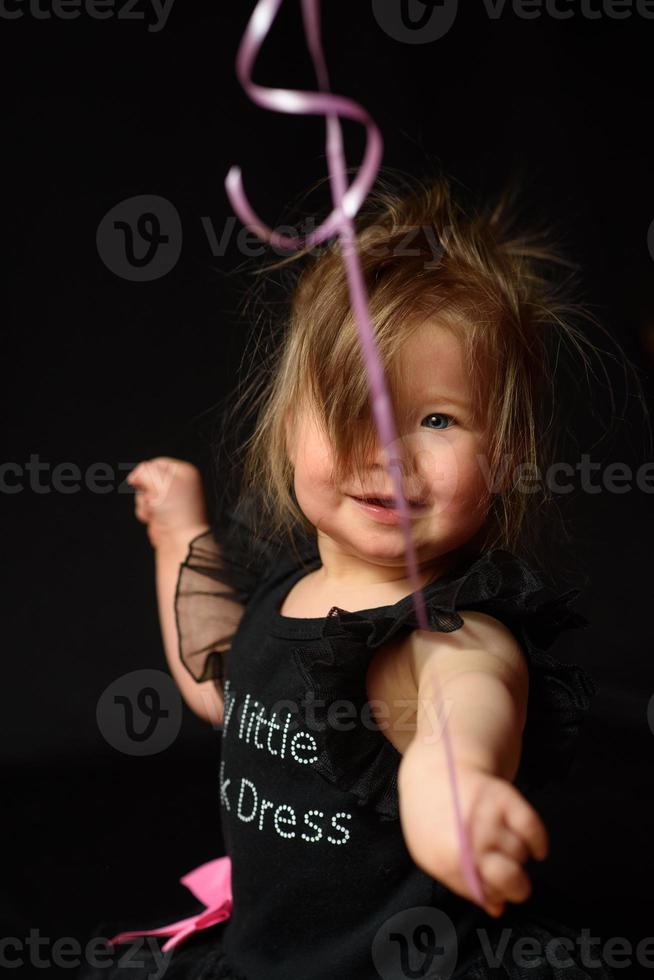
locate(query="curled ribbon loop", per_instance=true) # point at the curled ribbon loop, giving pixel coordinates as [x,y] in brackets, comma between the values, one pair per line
[347,201]
[302,103]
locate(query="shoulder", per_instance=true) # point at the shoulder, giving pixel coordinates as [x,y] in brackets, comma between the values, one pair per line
[493,612]
[483,643]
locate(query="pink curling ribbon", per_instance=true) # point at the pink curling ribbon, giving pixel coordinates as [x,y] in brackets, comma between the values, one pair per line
[347,201]
[211,883]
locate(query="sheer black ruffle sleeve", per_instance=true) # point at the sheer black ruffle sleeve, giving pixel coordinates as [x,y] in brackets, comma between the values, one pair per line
[222,569]
[361,760]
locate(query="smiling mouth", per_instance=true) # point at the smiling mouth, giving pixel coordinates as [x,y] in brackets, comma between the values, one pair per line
[389,502]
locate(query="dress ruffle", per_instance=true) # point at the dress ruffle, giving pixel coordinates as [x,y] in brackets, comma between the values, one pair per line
[222,569]
[357,757]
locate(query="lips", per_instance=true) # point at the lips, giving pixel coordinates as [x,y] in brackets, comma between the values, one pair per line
[389,502]
[383,511]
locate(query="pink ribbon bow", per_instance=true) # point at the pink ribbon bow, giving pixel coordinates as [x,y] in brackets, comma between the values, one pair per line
[211,883]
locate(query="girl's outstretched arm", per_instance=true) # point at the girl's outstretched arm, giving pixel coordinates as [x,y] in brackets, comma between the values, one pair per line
[483,679]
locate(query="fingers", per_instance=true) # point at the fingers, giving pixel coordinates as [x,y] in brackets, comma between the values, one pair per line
[492,831]
[142,478]
[155,477]
[501,869]
[504,878]
[510,844]
[135,477]
[507,832]
[523,820]
[494,902]
[142,508]
[144,473]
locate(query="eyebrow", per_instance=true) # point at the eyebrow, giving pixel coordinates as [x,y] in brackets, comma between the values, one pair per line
[436,397]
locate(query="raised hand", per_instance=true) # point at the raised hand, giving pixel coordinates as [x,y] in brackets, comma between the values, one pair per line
[169,499]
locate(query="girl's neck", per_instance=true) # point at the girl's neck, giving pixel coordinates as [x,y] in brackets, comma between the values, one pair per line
[341,570]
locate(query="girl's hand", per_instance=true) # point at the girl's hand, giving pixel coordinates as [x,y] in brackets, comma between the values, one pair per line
[169,499]
[504,830]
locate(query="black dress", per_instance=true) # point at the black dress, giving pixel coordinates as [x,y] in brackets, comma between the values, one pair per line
[323,885]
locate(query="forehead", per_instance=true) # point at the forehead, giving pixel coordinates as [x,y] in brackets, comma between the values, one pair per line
[432,362]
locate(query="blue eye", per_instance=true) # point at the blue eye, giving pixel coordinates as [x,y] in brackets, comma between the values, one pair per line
[438,415]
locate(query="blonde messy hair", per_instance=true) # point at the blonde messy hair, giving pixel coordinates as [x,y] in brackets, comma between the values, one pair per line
[424,255]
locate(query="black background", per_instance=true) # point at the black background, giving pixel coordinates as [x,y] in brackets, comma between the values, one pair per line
[99,368]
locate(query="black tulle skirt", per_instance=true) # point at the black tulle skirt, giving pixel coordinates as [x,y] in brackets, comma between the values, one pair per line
[201,956]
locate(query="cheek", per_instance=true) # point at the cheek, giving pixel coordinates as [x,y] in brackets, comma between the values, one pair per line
[313,467]
[472,479]
[452,471]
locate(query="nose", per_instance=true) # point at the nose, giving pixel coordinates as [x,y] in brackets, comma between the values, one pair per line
[402,458]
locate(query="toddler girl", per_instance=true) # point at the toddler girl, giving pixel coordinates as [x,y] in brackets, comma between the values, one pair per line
[289,623]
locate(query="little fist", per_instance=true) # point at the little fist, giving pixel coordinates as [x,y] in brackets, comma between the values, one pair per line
[503,829]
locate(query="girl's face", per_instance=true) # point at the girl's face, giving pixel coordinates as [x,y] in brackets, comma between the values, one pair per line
[443,457]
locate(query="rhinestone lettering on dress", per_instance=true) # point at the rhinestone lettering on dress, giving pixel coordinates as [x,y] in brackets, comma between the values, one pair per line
[301,747]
